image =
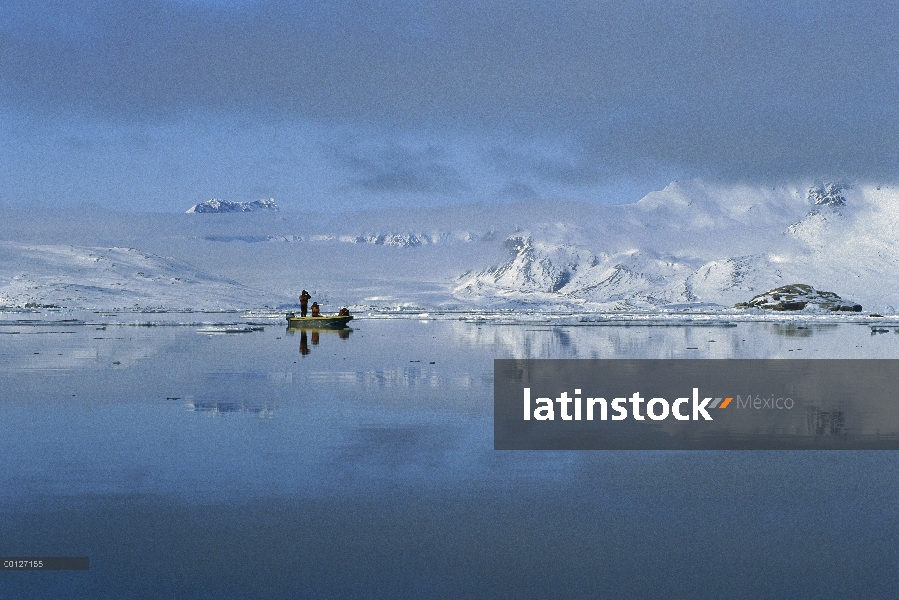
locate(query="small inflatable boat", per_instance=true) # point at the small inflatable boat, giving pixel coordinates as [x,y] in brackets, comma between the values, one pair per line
[332,322]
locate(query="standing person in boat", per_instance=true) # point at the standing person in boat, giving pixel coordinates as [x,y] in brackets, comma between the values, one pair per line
[316,312]
[304,302]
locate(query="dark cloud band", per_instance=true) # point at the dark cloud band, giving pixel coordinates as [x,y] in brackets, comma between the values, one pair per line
[702,88]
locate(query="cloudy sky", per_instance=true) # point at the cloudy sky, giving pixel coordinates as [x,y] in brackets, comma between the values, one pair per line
[160,104]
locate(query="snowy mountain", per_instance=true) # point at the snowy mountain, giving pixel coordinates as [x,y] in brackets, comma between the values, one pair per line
[111,278]
[695,243]
[692,243]
[226,206]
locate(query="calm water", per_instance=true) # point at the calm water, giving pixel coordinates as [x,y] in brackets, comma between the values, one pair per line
[277,465]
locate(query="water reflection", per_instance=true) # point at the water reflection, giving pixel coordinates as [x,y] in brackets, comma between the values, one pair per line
[379,468]
[800,330]
[687,340]
[400,377]
[314,335]
[822,422]
[262,408]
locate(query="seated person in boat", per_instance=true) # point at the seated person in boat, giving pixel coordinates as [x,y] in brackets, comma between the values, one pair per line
[316,312]
[343,312]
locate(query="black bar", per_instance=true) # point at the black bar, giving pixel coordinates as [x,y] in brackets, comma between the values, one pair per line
[44,563]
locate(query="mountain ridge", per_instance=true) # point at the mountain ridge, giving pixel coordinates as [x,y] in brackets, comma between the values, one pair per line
[691,243]
[226,206]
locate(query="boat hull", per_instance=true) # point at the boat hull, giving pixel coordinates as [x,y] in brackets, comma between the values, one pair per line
[332,322]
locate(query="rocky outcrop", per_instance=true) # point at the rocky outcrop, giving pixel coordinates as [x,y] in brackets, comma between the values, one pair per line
[830,194]
[799,296]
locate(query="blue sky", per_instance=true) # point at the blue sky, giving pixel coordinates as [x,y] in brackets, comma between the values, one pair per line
[160,104]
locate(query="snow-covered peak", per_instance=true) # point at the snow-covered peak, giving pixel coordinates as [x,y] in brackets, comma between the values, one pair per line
[697,204]
[226,206]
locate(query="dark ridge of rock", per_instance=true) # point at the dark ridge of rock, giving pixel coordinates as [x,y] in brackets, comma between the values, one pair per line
[830,194]
[798,296]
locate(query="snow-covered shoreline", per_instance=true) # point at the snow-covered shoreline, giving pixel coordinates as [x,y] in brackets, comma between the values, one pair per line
[262,317]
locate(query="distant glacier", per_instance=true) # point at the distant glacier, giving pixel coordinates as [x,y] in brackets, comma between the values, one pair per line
[226,206]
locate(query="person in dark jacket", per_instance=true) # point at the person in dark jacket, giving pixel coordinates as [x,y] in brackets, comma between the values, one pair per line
[315,310]
[304,302]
